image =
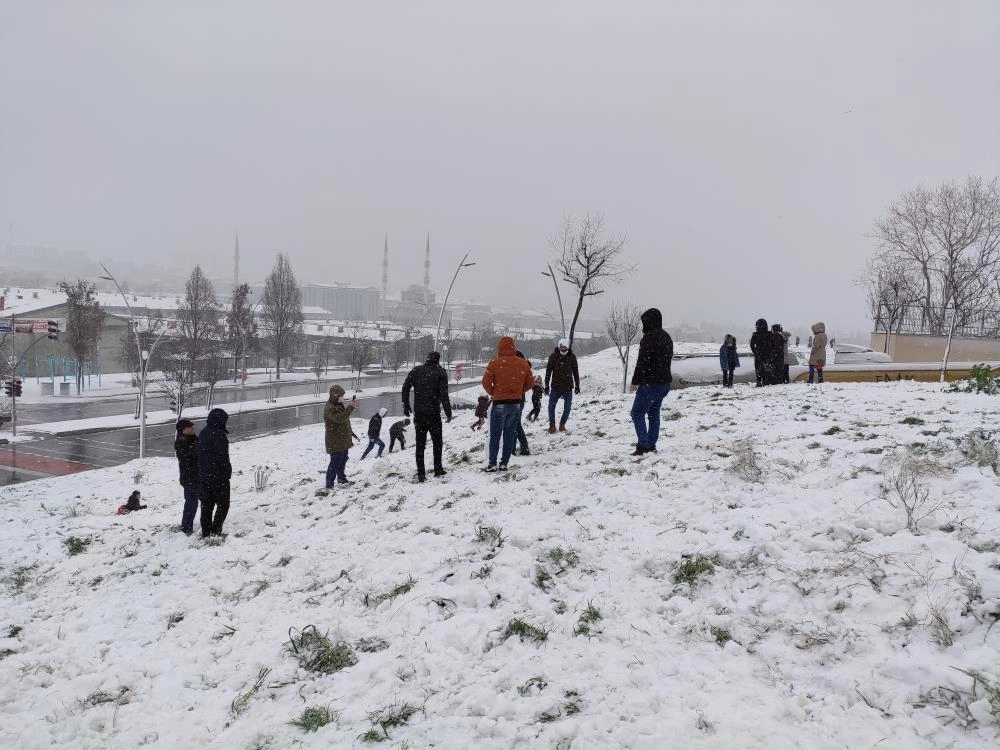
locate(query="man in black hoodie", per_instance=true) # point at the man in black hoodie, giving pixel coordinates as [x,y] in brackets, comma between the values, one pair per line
[214,472]
[186,449]
[429,383]
[651,380]
[762,346]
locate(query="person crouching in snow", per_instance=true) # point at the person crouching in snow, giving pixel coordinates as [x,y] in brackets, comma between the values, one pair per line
[397,434]
[375,434]
[729,360]
[337,419]
[482,409]
[536,399]
[131,504]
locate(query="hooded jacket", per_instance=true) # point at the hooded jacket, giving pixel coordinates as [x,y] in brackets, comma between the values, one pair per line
[214,469]
[375,423]
[429,383]
[186,450]
[790,358]
[817,355]
[337,419]
[761,344]
[729,358]
[507,377]
[562,372]
[398,429]
[656,350]
[482,406]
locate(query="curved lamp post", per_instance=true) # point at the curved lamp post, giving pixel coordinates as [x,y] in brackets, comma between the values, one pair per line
[462,264]
[144,358]
[552,275]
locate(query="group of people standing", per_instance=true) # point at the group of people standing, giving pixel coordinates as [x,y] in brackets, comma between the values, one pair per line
[205,472]
[772,357]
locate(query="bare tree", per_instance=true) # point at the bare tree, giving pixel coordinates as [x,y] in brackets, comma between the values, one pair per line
[623,325]
[282,310]
[241,326]
[395,357]
[361,354]
[948,242]
[84,319]
[320,358]
[891,292]
[588,259]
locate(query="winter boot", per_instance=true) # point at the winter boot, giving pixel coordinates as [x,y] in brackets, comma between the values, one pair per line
[562,427]
[552,428]
[421,478]
[440,472]
[639,451]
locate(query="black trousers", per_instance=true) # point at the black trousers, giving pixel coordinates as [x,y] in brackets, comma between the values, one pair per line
[394,438]
[727,378]
[536,409]
[424,423]
[214,499]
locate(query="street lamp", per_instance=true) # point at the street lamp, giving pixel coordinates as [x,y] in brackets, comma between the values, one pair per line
[144,357]
[462,264]
[552,275]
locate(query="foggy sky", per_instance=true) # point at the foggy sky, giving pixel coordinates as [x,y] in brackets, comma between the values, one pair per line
[744,148]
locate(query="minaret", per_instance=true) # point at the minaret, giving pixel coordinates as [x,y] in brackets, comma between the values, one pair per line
[427,270]
[236,263]
[385,270]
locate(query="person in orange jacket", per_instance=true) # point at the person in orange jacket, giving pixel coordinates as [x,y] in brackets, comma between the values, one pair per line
[507,378]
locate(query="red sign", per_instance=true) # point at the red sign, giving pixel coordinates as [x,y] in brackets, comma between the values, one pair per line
[458,371]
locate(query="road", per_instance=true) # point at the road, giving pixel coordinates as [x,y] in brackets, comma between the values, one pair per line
[55,456]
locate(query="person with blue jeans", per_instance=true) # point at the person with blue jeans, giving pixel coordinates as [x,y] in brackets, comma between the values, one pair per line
[562,380]
[651,380]
[375,434]
[338,436]
[186,450]
[507,378]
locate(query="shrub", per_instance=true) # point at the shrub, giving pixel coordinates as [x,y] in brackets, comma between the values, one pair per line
[75,545]
[982,379]
[690,569]
[523,630]
[313,718]
[317,653]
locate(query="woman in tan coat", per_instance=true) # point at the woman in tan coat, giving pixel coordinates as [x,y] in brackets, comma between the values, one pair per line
[817,356]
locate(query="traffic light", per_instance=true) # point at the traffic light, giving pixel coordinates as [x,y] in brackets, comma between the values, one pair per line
[54,330]
[8,388]
[17,387]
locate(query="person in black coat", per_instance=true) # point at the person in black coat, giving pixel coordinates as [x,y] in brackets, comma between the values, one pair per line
[762,346]
[429,383]
[186,450]
[522,438]
[777,355]
[214,472]
[375,434]
[651,380]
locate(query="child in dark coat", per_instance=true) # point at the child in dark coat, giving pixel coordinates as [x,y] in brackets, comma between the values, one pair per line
[398,433]
[132,504]
[482,408]
[536,399]
[729,360]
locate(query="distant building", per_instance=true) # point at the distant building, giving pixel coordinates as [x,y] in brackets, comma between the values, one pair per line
[416,294]
[343,302]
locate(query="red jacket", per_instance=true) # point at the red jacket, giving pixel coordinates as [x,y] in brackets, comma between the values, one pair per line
[507,377]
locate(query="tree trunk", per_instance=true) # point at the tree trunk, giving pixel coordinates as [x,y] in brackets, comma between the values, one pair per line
[947,349]
[576,315]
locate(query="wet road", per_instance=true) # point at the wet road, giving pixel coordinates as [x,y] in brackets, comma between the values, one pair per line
[74,453]
[60,411]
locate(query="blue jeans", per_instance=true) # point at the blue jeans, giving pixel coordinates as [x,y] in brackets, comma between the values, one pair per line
[554,395]
[192,492]
[504,421]
[335,471]
[372,442]
[814,369]
[648,400]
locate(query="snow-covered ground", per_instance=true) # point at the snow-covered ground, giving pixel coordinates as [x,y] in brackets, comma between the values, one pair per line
[717,594]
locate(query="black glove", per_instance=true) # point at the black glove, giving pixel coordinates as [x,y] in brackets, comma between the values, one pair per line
[406,410]
[577,391]
[546,390]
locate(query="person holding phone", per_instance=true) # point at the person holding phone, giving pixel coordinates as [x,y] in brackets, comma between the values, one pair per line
[337,420]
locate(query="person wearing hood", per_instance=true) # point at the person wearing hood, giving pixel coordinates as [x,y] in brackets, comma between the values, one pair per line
[375,434]
[397,434]
[562,379]
[762,346]
[186,450]
[729,360]
[338,435]
[651,380]
[779,344]
[214,472]
[507,378]
[522,438]
[817,354]
[429,383]
[536,399]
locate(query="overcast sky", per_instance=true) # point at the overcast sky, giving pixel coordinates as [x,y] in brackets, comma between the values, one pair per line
[745,148]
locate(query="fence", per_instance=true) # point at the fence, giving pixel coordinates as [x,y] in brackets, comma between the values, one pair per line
[917,320]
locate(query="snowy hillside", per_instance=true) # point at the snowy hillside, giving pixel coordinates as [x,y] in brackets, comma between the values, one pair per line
[752,585]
